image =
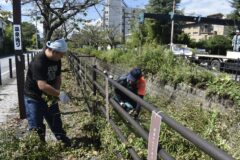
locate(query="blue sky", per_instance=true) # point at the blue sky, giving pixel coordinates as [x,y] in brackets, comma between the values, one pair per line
[205,7]
[196,7]
[190,7]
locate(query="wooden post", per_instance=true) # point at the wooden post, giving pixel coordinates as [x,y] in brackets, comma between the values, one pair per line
[0,74]
[10,68]
[94,77]
[18,55]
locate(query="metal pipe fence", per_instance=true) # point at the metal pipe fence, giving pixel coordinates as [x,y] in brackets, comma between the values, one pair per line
[0,74]
[208,148]
[11,68]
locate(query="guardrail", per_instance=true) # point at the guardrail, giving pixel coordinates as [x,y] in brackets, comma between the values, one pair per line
[87,75]
[10,64]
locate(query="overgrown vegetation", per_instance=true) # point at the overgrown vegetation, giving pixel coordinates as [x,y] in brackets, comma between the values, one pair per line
[93,137]
[217,127]
[159,61]
[212,125]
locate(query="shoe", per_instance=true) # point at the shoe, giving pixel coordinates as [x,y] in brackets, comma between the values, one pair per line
[65,140]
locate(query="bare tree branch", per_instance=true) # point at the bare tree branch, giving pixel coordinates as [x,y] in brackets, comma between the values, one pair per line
[55,14]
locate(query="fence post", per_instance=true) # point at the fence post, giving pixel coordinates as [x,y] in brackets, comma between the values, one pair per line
[10,68]
[31,56]
[81,72]
[236,76]
[94,77]
[107,97]
[28,59]
[0,74]
[23,62]
[85,74]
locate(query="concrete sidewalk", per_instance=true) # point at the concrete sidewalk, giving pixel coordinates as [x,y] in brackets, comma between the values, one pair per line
[8,100]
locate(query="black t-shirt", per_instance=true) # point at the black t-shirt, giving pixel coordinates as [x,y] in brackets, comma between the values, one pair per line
[41,68]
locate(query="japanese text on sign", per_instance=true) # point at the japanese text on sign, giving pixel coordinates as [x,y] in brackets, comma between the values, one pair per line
[153,137]
[17,37]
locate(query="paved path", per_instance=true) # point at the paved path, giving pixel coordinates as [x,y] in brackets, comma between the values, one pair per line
[8,100]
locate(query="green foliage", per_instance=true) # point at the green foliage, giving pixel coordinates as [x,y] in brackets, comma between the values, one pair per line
[8,39]
[50,100]
[86,50]
[183,38]
[158,60]
[159,31]
[162,6]
[170,69]
[28,31]
[224,87]
[108,139]
[212,125]
[217,44]
[136,39]
[152,58]
[28,147]
[236,5]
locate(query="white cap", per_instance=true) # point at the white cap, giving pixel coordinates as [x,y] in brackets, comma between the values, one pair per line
[59,45]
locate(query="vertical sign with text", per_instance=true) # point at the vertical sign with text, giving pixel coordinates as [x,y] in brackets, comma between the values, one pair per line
[153,137]
[19,57]
[17,37]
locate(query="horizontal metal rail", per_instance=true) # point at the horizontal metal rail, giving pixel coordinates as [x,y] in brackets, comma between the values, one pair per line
[138,128]
[205,146]
[121,136]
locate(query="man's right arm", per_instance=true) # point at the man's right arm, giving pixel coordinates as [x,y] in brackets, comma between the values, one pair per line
[46,88]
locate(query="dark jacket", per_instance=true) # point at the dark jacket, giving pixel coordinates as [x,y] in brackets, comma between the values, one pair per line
[120,96]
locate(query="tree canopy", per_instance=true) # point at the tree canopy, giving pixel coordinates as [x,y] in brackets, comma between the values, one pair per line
[56,13]
[156,30]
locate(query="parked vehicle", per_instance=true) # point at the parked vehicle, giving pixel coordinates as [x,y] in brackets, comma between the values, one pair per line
[181,50]
[230,61]
[216,62]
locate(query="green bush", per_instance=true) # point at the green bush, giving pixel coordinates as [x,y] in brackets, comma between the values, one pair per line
[157,60]
[28,147]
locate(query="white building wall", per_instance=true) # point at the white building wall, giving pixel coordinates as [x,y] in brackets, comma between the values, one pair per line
[113,15]
[119,17]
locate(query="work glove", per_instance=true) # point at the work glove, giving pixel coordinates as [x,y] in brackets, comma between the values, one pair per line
[64,97]
[121,103]
[128,106]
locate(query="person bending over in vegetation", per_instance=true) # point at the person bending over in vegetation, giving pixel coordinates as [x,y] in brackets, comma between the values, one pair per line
[135,82]
[42,86]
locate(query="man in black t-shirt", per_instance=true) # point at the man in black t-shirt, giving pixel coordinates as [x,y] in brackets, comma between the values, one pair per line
[44,80]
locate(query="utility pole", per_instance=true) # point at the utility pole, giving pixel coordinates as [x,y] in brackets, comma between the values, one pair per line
[19,57]
[123,30]
[125,24]
[36,32]
[172,28]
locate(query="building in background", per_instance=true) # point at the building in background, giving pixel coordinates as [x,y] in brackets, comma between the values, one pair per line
[118,18]
[199,32]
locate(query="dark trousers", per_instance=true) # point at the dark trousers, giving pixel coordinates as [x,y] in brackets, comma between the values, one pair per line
[37,110]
